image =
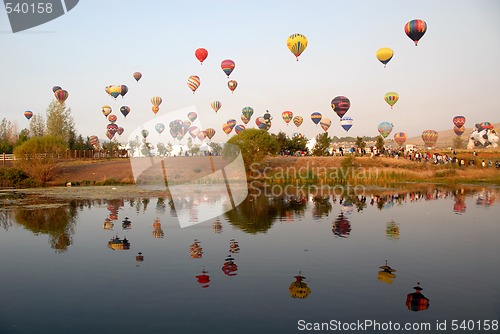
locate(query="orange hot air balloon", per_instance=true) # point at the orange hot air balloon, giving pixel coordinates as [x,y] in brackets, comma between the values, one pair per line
[156,101]
[209,133]
[287,116]
[201,54]
[193,82]
[61,95]
[226,128]
[232,84]
[400,138]
[430,137]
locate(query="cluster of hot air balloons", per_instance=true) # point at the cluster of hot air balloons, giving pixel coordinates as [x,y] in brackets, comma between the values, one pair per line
[113,128]
[116,90]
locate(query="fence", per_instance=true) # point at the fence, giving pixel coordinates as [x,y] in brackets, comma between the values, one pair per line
[8,159]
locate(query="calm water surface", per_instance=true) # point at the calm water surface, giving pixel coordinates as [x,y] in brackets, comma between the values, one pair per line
[62,271]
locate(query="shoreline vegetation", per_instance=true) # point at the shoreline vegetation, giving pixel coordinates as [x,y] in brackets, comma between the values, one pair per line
[309,170]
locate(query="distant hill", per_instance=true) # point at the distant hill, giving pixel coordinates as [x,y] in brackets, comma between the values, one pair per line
[445,138]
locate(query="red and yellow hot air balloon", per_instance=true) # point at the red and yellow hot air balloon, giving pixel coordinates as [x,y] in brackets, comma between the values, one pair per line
[400,138]
[201,54]
[193,82]
[287,116]
[297,120]
[459,121]
[415,29]
[156,101]
[226,128]
[28,114]
[232,84]
[430,137]
[61,95]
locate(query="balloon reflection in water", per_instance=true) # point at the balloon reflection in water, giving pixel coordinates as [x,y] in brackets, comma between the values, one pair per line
[229,268]
[139,257]
[341,226]
[195,250]
[233,246]
[392,230]
[386,274]
[299,289]
[459,206]
[126,224]
[118,244]
[157,232]
[416,301]
[217,226]
[108,224]
[203,279]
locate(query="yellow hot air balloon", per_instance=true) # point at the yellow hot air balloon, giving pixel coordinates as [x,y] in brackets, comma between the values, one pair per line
[384,55]
[296,43]
[391,98]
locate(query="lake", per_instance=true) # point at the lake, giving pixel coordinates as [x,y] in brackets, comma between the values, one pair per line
[423,257]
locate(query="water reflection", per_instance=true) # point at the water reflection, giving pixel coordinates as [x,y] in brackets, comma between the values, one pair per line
[416,301]
[386,275]
[234,247]
[157,230]
[217,226]
[108,224]
[195,250]
[203,279]
[341,226]
[126,224]
[298,288]
[392,230]
[229,267]
[119,244]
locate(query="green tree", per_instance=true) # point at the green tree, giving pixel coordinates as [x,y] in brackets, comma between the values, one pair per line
[322,144]
[282,140]
[297,143]
[38,156]
[458,143]
[8,136]
[254,145]
[216,148]
[23,136]
[360,143]
[194,149]
[60,123]
[37,126]
[379,144]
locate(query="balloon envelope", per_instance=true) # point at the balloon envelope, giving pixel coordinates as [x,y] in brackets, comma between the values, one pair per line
[125,110]
[316,117]
[459,130]
[239,128]
[106,110]
[232,84]
[209,133]
[244,119]
[159,127]
[192,116]
[216,105]
[297,120]
[400,138]
[193,82]
[156,101]
[325,124]
[346,122]
[55,88]
[201,54]
[28,114]
[287,116]
[112,118]
[296,43]
[137,76]
[459,121]
[430,137]
[385,129]
[415,29]
[61,95]
[247,112]
[227,66]
[341,105]
[384,55]
[144,133]
[391,98]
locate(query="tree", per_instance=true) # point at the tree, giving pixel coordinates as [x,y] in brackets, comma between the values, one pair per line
[322,144]
[282,140]
[361,144]
[458,143]
[194,149]
[254,145]
[23,136]
[37,126]
[8,136]
[216,148]
[60,123]
[38,156]
[380,143]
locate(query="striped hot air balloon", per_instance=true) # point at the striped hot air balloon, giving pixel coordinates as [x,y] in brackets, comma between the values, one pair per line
[415,29]
[297,120]
[28,114]
[216,105]
[325,124]
[391,98]
[430,137]
[193,82]
[400,138]
[287,116]
[316,117]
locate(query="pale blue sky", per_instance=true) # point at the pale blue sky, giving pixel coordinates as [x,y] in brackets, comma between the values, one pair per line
[453,71]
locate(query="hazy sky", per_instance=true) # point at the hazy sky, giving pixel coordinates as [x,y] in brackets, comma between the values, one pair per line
[453,71]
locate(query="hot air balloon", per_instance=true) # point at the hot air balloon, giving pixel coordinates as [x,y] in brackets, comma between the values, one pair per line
[28,114]
[316,117]
[94,141]
[385,129]
[325,124]
[144,133]
[430,137]
[391,98]
[201,135]
[61,95]
[156,101]
[159,128]
[216,105]
[209,133]
[112,128]
[193,82]
[346,123]
[244,119]
[137,76]
[296,43]
[459,130]
[194,131]
[201,54]
[384,55]
[56,88]
[232,84]
[192,116]
[485,125]
[114,91]
[120,130]
[287,116]
[227,66]
[247,112]
[106,110]
[123,90]
[112,118]
[226,128]
[415,29]
[297,120]
[239,128]
[231,123]
[125,111]
[400,138]
[341,105]
[110,135]
[299,289]
[459,121]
